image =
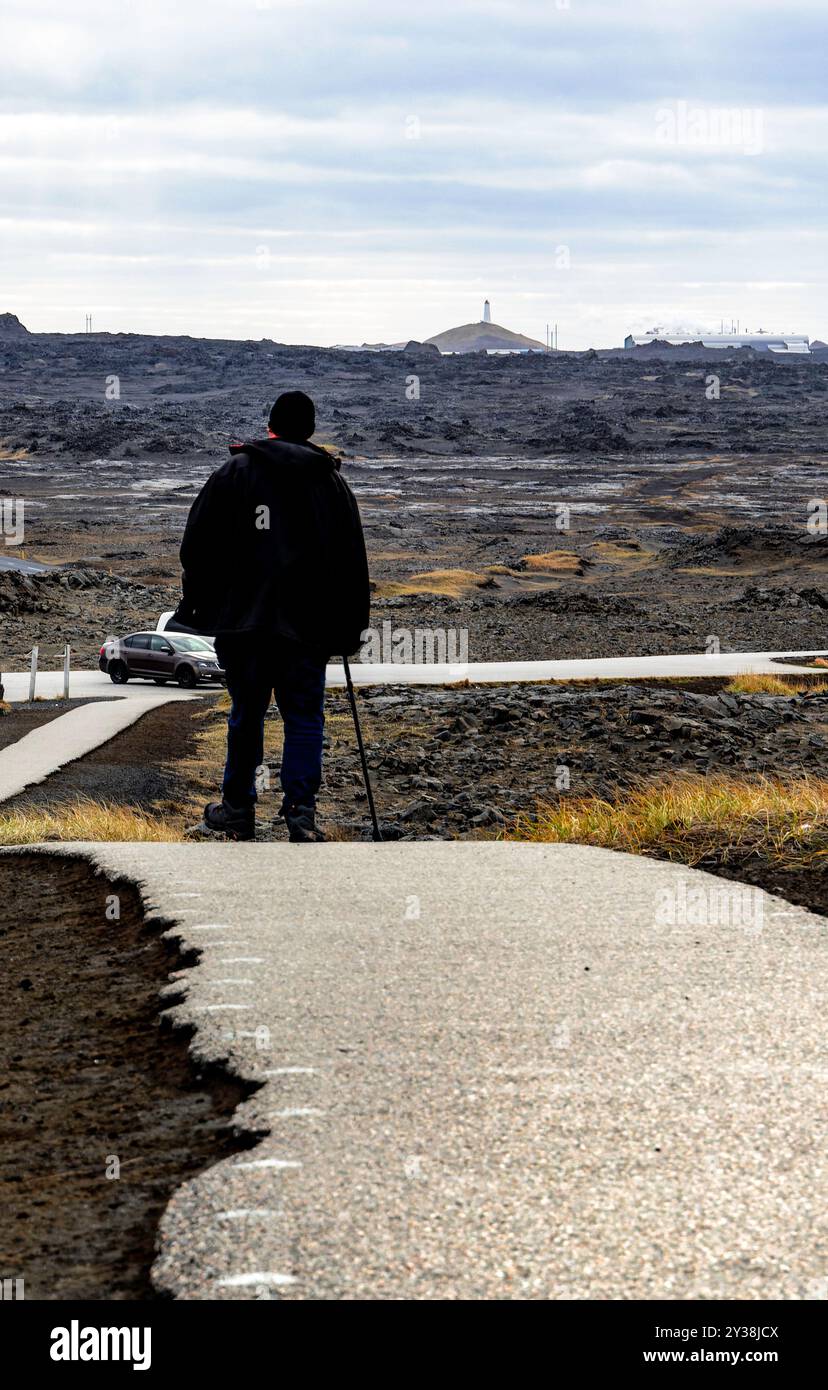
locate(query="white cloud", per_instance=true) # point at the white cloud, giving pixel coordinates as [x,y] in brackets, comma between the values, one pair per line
[147,150]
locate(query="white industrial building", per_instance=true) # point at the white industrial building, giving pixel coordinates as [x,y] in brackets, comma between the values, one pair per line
[783,343]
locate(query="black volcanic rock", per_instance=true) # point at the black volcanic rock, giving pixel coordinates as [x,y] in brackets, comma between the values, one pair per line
[11,327]
[414,346]
[742,544]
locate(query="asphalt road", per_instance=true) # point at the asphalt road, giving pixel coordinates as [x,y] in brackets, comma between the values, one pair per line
[497,1071]
[10,561]
[597,668]
[85,683]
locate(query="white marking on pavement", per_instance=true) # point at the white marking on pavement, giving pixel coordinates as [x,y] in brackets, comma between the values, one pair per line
[242,960]
[269,1163]
[296,1112]
[211,926]
[216,1008]
[231,982]
[290,1071]
[245,1213]
[242,1281]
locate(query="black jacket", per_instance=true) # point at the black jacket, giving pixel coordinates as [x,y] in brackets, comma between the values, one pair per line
[274,545]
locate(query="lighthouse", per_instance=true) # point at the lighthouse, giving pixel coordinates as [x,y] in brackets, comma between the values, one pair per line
[487,312]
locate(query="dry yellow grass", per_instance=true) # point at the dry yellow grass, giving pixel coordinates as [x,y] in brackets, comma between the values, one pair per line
[553,561]
[689,817]
[86,820]
[204,769]
[443,583]
[620,553]
[773,685]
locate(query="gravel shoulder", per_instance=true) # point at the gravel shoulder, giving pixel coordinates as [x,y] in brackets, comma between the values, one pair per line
[104,1112]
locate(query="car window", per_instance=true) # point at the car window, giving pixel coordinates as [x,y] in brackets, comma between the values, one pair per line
[160,644]
[192,644]
[138,639]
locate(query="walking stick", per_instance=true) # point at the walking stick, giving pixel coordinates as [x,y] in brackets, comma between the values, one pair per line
[352,698]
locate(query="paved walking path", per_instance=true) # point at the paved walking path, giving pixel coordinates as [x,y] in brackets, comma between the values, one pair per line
[85,683]
[497,1071]
[70,736]
[599,668]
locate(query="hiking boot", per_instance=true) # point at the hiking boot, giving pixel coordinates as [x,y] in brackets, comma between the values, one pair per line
[301,823]
[226,820]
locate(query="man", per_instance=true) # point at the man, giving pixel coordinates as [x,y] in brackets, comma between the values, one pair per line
[274,565]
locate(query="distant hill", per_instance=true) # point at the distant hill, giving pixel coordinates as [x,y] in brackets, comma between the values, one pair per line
[414,345]
[479,337]
[11,327]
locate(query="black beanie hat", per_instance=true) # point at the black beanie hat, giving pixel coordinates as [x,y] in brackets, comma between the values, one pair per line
[293,416]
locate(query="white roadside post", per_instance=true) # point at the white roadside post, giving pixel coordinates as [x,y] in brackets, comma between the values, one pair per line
[66,654]
[33,674]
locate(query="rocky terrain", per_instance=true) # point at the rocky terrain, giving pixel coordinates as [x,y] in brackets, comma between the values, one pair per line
[71,605]
[187,396]
[548,505]
[449,762]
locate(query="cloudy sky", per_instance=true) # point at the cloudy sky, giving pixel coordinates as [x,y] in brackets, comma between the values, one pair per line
[346,170]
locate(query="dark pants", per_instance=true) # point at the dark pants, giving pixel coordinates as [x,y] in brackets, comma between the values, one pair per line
[258,666]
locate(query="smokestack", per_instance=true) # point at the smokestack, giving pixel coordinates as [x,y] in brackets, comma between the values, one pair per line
[487,312]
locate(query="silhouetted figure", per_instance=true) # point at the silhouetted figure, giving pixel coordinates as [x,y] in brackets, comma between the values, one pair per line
[275,567]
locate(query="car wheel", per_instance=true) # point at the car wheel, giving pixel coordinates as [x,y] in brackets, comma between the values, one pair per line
[160,680]
[186,677]
[118,672]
